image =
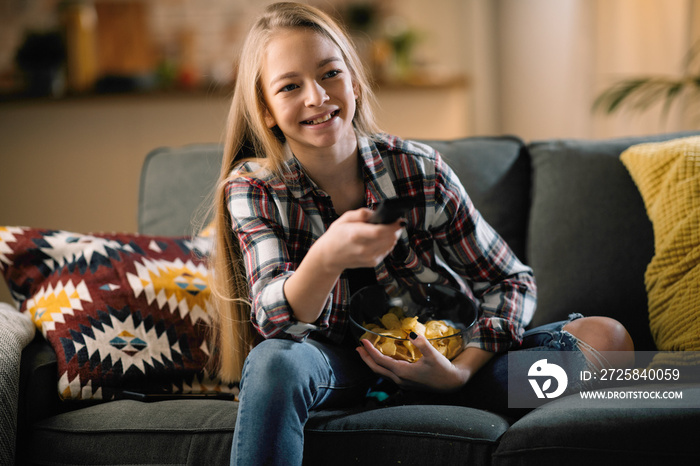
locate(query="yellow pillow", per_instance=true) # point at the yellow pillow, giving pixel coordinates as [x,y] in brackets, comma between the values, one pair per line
[668,177]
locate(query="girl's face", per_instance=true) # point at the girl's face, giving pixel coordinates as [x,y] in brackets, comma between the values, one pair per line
[309,91]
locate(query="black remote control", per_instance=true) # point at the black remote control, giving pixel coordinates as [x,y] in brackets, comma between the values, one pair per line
[390,210]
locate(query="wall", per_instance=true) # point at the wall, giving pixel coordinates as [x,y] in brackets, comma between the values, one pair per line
[75,164]
[663,33]
[544,65]
[551,58]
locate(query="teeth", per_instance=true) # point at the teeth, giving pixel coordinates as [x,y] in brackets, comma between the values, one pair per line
[318,121]
[322,119]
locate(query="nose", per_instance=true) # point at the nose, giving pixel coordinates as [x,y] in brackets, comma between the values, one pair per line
[315,95]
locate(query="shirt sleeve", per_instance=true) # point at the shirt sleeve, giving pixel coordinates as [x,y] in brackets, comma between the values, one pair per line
[256,221]
[502,285]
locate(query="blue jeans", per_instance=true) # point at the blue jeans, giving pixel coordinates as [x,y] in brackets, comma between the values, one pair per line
[488,389]
[283,380]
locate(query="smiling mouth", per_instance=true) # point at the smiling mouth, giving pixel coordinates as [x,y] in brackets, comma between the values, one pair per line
[323,119]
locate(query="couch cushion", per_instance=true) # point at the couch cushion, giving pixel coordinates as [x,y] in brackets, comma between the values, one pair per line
[121,311]
[569,431]
[200,432]
[496,174]
[589,239]
[131,432]
[406,435]
[176,184]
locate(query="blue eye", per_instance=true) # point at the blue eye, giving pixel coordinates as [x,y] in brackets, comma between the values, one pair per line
[332,74]
[289,87]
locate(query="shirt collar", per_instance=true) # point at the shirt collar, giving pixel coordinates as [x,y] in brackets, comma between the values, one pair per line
[297,180]
[378,180]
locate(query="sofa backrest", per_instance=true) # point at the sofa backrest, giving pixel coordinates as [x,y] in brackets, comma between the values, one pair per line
[495,171]
[589,238]
[176,187]
[177,183]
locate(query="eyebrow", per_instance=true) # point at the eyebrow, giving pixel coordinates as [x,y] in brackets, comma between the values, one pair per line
[293,74]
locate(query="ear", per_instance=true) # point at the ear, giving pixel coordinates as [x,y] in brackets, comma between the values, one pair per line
[269,119]
[355,89]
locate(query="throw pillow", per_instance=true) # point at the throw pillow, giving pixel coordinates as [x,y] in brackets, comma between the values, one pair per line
[668,177]
[121,311]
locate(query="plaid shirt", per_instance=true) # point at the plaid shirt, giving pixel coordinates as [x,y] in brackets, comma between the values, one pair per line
[278,220]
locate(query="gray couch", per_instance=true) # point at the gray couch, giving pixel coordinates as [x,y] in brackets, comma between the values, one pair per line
[567,207]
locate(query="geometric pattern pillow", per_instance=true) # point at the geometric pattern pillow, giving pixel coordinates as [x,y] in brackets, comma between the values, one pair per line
[121,311]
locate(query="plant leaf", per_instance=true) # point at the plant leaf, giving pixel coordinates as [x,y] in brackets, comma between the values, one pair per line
[610,99]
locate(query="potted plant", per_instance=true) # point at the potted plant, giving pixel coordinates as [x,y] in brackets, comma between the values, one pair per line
[642,92]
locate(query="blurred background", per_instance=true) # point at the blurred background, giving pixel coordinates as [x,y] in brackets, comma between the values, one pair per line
[88,88]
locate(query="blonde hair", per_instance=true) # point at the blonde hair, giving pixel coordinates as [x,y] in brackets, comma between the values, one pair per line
[248,136]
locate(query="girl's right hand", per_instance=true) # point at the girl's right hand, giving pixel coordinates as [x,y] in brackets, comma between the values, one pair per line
[351,242]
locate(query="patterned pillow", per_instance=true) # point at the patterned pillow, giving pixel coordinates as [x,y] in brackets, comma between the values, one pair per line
[122,311]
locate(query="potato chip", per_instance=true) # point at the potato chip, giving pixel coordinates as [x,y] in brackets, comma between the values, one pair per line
[402,353]
[387,346]
[394,341]
[411,324]
[372,327]
[407,323]
[371,337]
[454,346]
[391,321]
[396,333]
[414,352]
[435,329]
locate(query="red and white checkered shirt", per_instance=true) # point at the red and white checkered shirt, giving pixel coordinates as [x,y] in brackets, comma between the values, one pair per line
[278,220]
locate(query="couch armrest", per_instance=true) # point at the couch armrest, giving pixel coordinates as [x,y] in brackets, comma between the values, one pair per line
[16,331]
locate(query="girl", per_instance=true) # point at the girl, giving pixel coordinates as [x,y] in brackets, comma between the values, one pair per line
[304,165]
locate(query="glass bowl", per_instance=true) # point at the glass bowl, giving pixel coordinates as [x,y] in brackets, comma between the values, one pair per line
[441,313]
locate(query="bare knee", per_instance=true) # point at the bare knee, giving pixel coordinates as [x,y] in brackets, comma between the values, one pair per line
[604,335]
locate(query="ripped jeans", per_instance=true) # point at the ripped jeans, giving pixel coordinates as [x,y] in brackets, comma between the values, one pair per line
[488,389]
[283,381]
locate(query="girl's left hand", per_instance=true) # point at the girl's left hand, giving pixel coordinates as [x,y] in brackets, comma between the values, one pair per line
[432,372]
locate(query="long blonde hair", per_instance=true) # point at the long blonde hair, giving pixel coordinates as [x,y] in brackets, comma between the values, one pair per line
[249,137]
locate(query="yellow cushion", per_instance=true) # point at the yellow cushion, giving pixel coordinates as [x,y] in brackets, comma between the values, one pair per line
[668,177]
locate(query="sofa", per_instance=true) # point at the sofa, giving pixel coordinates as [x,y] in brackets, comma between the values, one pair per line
[568,208]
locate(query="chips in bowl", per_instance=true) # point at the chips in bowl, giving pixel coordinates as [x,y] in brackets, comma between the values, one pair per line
[441,314]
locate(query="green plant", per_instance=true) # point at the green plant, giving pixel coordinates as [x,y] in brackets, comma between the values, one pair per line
[642,92]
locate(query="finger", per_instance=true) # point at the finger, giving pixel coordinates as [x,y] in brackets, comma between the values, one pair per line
[401,222]
[377,356]
[424,346]
[400,368]
[358,215]
[396,226]
[372,364]
[377,242]
[389,235]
